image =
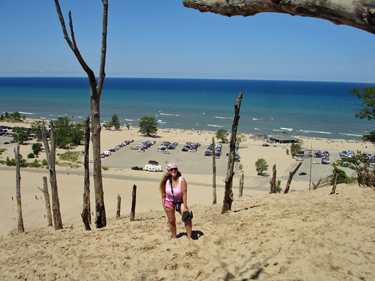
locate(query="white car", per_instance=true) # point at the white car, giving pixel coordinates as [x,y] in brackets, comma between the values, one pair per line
[299,159]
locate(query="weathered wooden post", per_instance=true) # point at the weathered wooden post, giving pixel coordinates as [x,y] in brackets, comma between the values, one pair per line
[118,206]
[134,199]
[334,185]
[291,175]
[214,201]
[51,155]
[18,191]
[47,200]
[273,181]
[240,191]
[228,196]
[86,210]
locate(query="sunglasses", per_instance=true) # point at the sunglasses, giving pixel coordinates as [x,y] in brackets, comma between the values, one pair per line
[173,169]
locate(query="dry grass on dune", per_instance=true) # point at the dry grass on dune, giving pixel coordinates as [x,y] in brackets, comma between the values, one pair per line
[298,236]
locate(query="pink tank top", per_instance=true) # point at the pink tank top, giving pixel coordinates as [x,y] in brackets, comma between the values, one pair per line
[176,191]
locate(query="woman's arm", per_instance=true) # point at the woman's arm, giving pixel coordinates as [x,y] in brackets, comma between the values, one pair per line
[184,191]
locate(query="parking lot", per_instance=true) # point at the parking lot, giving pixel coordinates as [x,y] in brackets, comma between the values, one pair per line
[194,162]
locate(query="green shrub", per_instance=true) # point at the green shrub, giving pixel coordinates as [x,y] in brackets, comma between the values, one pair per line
[9,162]
[44,162]
[71,156]
[30,155]
[105,168]
[34,164]
[36,147]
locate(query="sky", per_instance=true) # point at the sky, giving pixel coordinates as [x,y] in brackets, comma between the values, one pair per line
[163,39]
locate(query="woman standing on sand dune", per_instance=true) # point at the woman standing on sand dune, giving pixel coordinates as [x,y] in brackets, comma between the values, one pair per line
[173,190]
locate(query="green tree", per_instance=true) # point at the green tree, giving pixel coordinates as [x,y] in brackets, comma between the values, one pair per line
[107,125]
[115,122]
[240,167]
[13,117]
[278,184]
[148,125]
[295,147]
[77,133]
[367,95]
[128,126]
[222,135]
[342,177]
[20,134]
[36,147]
[240,138]
[68,132]
[36,129]
[360,163]
[261,166]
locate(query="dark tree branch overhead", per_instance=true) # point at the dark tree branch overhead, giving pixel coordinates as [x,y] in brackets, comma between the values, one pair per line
[359,14]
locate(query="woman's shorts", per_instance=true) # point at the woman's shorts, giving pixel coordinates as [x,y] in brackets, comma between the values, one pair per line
[169,203]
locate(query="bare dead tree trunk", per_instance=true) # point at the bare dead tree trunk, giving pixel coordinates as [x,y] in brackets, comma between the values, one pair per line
[334,185]
[51,155]
[47,200]
[20,226]
[228,195]
[134,200]
[273,181]
[359,14]
[291,175]
[95,94]
[86,210]
[214,201]
[240,192]
[118,206]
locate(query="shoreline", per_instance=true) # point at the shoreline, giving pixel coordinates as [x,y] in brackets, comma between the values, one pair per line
[298,133]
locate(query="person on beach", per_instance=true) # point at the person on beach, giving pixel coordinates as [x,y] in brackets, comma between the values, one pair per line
[173,190]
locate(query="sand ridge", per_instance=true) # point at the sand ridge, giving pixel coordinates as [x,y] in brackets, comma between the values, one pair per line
[299,236]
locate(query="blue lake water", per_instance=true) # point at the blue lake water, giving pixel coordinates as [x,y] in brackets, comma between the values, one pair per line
[318,109]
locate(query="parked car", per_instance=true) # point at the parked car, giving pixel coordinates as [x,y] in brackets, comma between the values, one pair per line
[166,152]
[137,168]
[208,153]
[302,174]
[153,162]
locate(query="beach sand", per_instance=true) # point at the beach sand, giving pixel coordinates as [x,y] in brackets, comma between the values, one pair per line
[304,235]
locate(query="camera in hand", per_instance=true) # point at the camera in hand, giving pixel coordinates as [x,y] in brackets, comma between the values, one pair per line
[177,203]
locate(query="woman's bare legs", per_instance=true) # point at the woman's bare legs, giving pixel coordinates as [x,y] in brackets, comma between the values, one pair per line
[188,223]
[172,220]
